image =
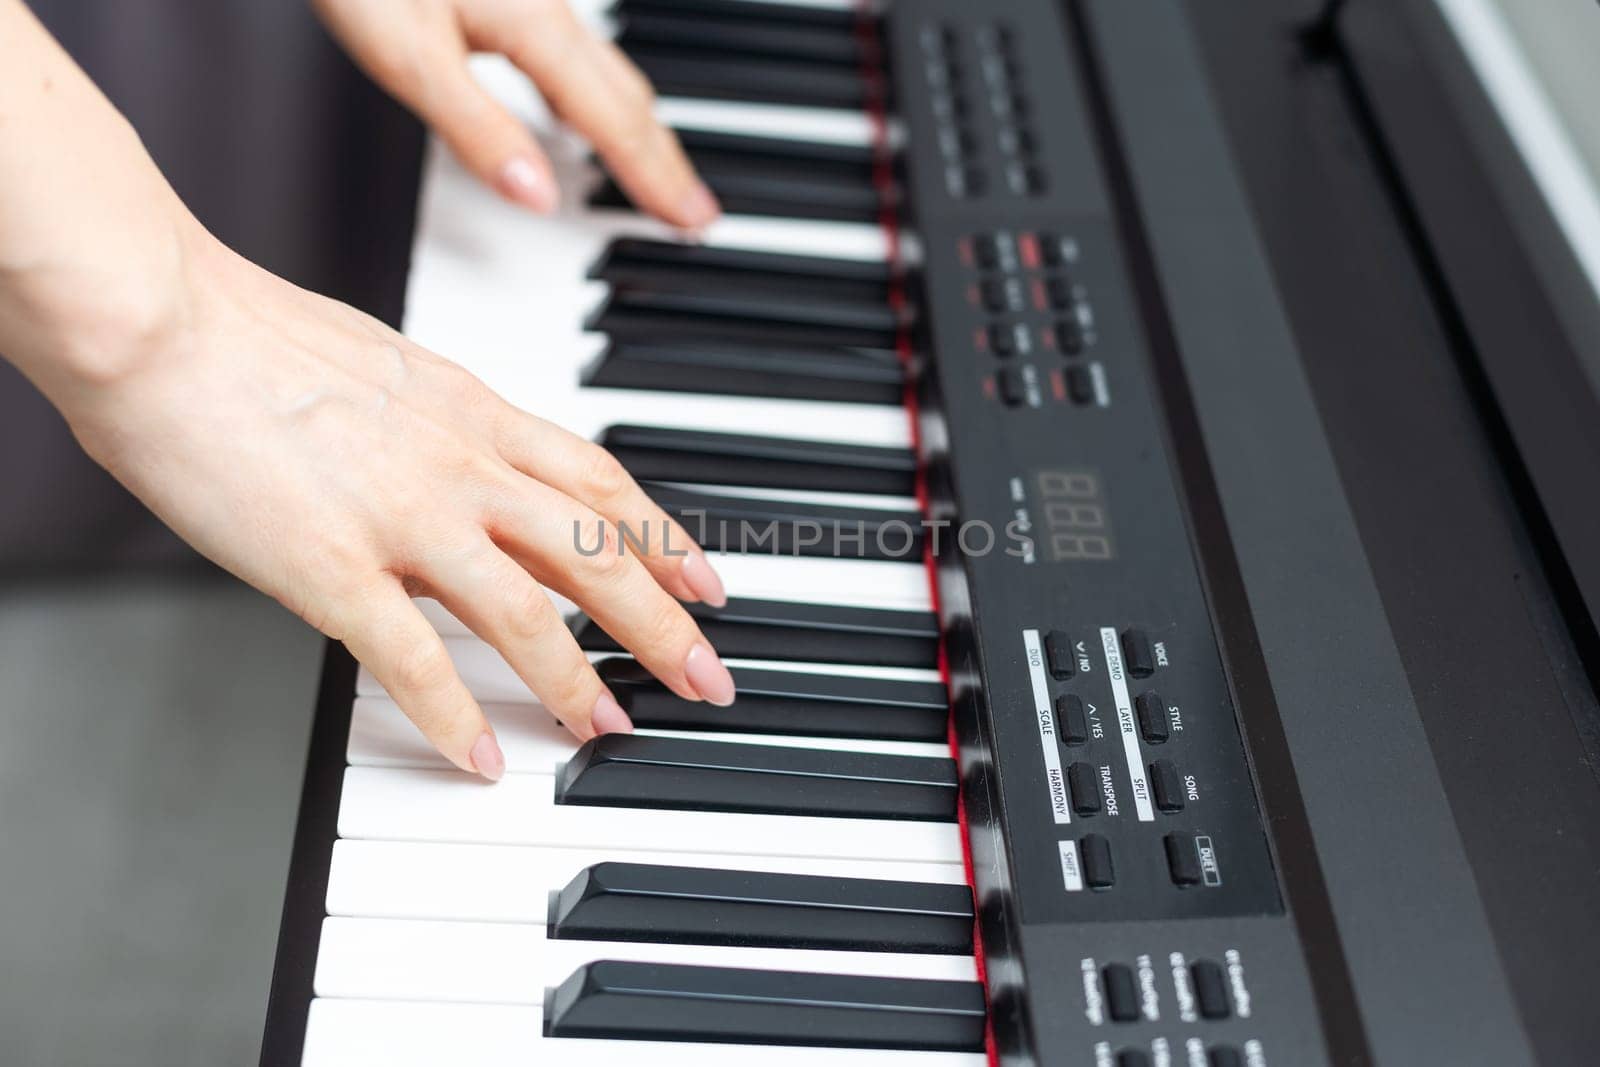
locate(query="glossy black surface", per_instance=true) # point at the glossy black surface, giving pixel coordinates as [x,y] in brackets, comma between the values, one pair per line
[812,633]
[807,704]
[639,771]
[685,905]
[671,1003]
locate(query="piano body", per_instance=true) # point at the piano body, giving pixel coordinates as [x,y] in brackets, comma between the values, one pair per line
[1204,675]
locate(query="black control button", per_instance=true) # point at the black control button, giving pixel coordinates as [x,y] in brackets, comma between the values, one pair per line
[1083,784]
[1152,712]
[1183,862]
[973,181]
[1224,1056]
[1072,726]
[1069,336]
[1033,180]
[1122,995]
[1210,989]
[1013,390]
[992,292]
[1166,786]
[1050,248]
[1015,142]
[1097,868]
[1133,1057]
[1059,290]
[1136,653]
[1002,339]
[1080,385]
[987,248]
[1059,655]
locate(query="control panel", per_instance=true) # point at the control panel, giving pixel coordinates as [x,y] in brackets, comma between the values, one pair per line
[1034,317]
[1118,837]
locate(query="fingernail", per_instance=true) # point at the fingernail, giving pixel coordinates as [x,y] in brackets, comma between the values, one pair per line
[702,580]
[708,676]
[487,759]
[525,182]
[609,718]
[698,208]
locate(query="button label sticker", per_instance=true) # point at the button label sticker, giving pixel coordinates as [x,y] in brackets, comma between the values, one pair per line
[1125,720]
[1055,780]
[1071,872]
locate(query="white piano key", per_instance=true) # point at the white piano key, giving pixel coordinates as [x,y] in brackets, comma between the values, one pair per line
[489,678]
[484,671]
[876,746]
[851,670]
[390,1033]
[863,424]
[405,804]
[864,583]
[867,583]
[513,963]
[534,743]
[798,123]
[507,883]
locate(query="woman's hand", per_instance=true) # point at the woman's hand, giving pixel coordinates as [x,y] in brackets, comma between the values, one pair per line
[340,468]
[417,50]
[309,449]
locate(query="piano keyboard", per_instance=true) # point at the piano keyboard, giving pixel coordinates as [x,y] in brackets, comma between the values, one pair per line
[783,881]
[731,872]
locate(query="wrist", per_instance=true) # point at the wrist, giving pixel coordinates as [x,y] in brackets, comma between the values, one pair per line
[92,311]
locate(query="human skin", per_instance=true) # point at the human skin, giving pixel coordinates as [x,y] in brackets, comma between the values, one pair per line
[305,446]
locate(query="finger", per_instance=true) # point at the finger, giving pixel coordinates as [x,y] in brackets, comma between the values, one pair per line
[409,660]
[498,600]
[592,476]
[426,70]
[576,552]
[606,99]
[488,140]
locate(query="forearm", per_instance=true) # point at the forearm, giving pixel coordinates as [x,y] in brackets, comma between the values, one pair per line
[93,241]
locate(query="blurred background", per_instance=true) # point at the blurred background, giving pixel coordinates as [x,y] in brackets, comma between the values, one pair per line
[153,712]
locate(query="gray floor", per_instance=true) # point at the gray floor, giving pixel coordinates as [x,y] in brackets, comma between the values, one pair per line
[151,744]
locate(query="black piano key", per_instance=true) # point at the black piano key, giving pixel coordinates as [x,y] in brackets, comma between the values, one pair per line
[699,906]
[828,157]
[805,633]
[638,771]
[803,16]
[837,45]
[716,75]
[787,702]
[722,523]
[747,191]
[632,262]
[677,1002]
[653,453]
[657,316]
[851,376]
[674,255]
